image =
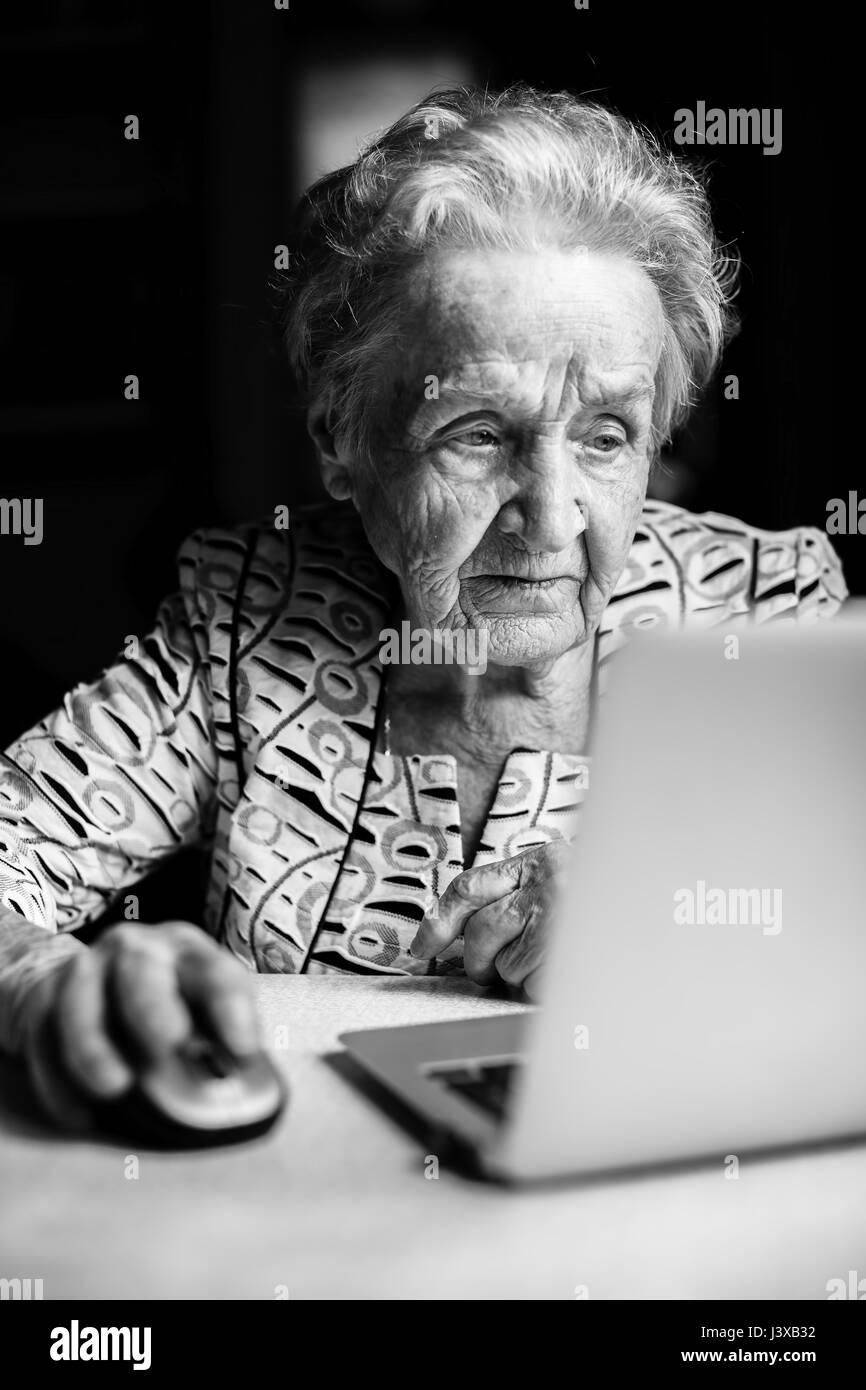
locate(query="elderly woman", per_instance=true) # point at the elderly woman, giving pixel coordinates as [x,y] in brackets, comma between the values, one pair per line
[498,314]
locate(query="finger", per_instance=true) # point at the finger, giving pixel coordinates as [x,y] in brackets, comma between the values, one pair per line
[92,1059]
[533,985]
[487,933]
[525,953]
[147,999]
[218,989]
[55,1093]
[466,894]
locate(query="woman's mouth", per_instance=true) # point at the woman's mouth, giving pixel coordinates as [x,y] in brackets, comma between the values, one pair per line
[516,581]
[512,593]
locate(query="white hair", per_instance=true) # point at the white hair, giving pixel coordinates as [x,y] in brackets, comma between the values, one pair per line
[514,170]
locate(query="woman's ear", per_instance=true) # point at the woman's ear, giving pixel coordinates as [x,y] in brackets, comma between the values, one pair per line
[335,467]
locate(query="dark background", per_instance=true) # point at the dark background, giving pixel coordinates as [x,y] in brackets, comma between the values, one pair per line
[154,257]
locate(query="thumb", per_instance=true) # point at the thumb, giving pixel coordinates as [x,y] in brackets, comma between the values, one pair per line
[469,891]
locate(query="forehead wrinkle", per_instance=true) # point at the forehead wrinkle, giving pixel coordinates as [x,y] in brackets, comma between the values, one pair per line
[581,387]
[484,377]
[512,324]
[599,388]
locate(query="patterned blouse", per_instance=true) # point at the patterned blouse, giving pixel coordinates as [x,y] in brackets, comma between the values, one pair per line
[247,721]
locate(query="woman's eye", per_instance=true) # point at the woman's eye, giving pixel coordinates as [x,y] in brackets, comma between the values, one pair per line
[479,438]
[606,442]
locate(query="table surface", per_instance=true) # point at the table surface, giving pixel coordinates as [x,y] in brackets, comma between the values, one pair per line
[334,1202]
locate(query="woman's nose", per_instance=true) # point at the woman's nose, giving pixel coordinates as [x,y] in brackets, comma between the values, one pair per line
[546,512]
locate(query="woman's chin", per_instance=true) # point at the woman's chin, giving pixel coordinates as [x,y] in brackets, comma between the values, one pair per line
[529,640]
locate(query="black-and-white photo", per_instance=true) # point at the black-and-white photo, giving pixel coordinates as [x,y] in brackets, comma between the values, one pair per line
[433,810]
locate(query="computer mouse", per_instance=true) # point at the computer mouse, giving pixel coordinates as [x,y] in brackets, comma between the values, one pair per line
[196,1097]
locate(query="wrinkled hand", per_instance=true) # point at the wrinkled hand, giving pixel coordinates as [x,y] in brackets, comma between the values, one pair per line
[503,912]
[95,1023]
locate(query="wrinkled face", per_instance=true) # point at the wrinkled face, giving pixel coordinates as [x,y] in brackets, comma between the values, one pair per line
[513,455]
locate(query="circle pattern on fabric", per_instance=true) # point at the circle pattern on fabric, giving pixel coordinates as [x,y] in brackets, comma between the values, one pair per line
[351,621]
[408,846]
[126,736]
[375,942]
[103,797]
[340,688]
[259,824]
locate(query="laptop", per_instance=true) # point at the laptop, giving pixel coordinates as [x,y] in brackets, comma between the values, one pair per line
[703,994]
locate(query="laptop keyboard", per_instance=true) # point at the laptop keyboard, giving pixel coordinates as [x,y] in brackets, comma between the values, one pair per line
[486,1084]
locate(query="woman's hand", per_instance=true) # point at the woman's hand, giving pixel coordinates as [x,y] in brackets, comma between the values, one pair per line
[503,912]
[92,1025]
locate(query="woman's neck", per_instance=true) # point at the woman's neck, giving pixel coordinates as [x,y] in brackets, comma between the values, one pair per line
[485,715]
